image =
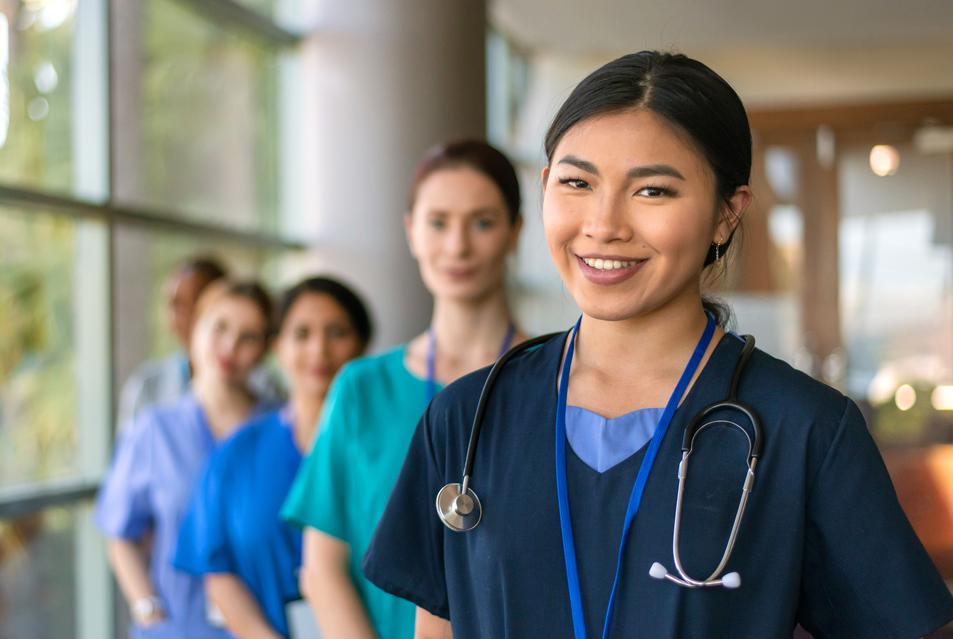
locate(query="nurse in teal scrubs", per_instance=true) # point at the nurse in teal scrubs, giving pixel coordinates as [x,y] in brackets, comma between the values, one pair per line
[464,220]
[232,535]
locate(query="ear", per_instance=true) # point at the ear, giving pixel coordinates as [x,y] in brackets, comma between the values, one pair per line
[409,232]
[544,178]
[731,212]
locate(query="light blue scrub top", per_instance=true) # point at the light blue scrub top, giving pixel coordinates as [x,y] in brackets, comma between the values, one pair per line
[156,465]
[232,524]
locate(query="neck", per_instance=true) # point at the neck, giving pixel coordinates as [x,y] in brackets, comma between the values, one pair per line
[225,405]
[654,341]
[471,329]
[305,411]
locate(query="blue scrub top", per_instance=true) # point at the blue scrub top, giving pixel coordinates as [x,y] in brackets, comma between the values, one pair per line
[157,463]
[232,525]
[823,542]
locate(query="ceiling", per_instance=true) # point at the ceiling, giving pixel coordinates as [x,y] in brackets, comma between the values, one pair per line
[606,27]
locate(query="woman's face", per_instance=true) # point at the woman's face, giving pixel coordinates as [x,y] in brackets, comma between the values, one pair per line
[315,341]
[630,209]
[460,234]
[228,339]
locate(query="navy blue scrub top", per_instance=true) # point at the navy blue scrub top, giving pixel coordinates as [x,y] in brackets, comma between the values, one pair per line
[823,542]
[232,524]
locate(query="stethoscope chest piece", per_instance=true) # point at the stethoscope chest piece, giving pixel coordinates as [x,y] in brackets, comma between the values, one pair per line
[459,510]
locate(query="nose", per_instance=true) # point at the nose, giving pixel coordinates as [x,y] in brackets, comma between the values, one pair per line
[609,220]
[458,240]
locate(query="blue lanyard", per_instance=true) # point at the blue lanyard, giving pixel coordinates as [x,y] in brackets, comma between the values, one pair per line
[635,498]
[432,357]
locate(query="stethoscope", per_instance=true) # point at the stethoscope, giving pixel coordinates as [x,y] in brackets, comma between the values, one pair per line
[460,509]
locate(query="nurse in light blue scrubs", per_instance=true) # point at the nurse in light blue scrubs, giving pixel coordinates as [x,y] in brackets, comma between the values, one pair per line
[232,535]
[161,455]
[462,224]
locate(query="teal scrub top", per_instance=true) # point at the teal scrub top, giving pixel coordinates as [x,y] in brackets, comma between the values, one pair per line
[342,488]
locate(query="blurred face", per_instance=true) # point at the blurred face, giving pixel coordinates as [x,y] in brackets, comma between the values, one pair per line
[460,234]
[228,340]
[629,212]
[182,292]
[316,340]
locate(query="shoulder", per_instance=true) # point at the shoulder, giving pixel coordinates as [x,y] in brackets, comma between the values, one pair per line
[796,406]
[524,372]
[370,368]
[787,389]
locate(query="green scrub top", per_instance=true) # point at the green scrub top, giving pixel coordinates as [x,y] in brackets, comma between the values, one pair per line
[342,488]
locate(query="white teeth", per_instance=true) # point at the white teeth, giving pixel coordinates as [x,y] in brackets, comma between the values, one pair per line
[606,265]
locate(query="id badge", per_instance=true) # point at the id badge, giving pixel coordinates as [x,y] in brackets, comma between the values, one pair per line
[301,621]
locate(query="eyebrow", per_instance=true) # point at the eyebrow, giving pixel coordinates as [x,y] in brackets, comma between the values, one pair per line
[649,170]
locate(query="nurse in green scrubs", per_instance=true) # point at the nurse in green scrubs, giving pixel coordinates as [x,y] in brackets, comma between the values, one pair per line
[464,220]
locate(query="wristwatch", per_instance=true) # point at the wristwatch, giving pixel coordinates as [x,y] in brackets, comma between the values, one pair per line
[146,609]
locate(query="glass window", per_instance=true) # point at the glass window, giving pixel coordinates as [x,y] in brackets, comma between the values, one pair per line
[42,557]
[38,390]
[36,40]
[198,117]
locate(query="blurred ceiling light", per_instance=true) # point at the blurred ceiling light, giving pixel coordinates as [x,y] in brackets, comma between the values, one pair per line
[942,397]
[45,77]
[4,79]
[905,397]
[934,139]
[884,160]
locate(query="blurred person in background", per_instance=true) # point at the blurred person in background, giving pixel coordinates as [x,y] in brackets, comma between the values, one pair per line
[166,379]
[161,455]
[232,535]
[462,224]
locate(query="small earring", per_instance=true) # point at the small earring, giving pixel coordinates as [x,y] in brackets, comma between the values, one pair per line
[717,251]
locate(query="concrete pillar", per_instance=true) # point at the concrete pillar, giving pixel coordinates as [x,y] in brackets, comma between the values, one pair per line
[377,83]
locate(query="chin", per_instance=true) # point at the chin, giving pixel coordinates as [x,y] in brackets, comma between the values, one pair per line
[468,292]
[613,310]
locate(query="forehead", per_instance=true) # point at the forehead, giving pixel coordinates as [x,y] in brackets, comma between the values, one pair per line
[459,188]
[315,306]
[620,140]
[235,308]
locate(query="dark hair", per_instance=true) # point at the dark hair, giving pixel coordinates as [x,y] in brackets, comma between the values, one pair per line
[477,155]
[343,295]
[207,269]
[249,290]
[689,96]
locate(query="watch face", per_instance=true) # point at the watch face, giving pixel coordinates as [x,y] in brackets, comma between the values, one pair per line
[145,608]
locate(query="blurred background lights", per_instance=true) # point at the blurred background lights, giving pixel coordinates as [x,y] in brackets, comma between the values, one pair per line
[882,386]
[942,397]
[905,397]
[884,160]
[45,77]
[38,109]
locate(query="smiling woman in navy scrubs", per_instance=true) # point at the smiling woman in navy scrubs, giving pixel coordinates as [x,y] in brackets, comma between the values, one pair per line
[646,181]
[232,535]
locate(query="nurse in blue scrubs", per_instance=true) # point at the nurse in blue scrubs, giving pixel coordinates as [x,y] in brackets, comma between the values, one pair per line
[577,465]
[232,535]
[162,453]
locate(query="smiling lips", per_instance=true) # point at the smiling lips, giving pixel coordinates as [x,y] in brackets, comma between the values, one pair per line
[608,270]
